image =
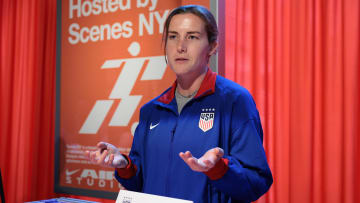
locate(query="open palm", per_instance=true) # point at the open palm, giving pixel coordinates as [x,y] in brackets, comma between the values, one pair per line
[204,163]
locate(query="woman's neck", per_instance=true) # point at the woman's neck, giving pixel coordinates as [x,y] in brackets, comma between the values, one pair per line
[187,85]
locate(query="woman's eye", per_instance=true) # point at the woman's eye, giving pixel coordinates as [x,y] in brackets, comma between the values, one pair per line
[193,37]
[171,36]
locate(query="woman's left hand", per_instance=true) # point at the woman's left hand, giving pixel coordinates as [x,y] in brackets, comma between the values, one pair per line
[204,163]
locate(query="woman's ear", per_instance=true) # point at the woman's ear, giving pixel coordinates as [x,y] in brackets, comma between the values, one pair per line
[213,48]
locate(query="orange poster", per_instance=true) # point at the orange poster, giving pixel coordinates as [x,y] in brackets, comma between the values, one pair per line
[110,62]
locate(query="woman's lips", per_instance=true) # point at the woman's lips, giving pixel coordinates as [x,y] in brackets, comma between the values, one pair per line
[181,60]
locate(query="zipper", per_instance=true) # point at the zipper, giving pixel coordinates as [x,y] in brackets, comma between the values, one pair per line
[167,184]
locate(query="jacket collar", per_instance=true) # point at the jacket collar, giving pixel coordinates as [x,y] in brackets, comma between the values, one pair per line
[207,87]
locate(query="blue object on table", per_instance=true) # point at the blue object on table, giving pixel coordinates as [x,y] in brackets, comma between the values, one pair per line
[63,200]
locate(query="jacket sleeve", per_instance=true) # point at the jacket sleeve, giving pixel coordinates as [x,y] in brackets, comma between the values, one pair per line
[243,172]
[131,177]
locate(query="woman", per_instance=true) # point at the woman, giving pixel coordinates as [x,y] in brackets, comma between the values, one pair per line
[201,115]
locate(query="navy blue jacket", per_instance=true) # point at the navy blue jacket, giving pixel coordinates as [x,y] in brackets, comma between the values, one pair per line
[222,114]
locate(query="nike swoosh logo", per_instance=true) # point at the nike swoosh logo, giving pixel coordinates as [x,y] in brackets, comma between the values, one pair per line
[153,126]
[69,173]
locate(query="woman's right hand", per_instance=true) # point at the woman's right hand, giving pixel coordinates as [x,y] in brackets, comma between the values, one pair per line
[107,155]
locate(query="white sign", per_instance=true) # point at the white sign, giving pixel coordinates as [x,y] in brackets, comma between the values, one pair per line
[126,196]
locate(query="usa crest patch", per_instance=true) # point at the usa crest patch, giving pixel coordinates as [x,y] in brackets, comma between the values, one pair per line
[207,117]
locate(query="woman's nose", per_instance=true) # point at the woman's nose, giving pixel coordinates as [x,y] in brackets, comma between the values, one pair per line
[181,46]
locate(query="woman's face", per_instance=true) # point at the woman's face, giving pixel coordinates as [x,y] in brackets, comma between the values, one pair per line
[187,49]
